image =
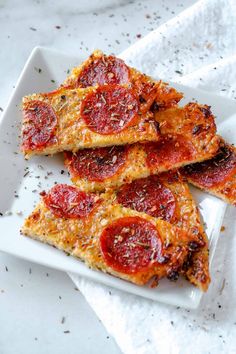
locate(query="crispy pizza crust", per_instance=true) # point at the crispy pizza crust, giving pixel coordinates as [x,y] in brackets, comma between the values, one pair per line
[72,133]
[80,237]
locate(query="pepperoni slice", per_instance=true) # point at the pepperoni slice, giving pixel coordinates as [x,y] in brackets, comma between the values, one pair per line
[96,164]
[110,109]
[148,195]
[169,151]
[68,202]
[104,70]
[130,244]
[213,172]
[40,122]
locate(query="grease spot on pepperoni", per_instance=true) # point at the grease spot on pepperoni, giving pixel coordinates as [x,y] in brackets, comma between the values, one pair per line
[215,171]
[148,195]
[104,70]
[68,202]
[168,152]
[39,125]
[110,109]
[96,164]
[130,244]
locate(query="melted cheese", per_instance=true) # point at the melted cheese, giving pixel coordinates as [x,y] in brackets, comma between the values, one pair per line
[80,237]
[72,132]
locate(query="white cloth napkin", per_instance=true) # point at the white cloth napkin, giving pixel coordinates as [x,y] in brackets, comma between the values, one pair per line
[200,43]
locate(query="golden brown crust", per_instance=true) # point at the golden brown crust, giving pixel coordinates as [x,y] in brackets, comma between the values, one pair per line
[178,128]
[80,238]
[194,120]
[134,167]
[72,133]
[217,175]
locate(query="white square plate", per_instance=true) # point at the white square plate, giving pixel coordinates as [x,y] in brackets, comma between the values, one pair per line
[19,190]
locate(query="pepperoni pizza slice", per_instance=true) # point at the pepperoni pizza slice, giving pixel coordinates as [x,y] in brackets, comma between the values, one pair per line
[100,69]
[128,244]
[187,136]
[84,118]
[167,196]
[217,175]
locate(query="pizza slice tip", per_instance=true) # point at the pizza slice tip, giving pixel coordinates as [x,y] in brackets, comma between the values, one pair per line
[216,175]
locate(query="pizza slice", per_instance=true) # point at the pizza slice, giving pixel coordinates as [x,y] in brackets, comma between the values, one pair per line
[128,244]
[187,136]
[217,175]
[168,197]
[84,118]
[100,69]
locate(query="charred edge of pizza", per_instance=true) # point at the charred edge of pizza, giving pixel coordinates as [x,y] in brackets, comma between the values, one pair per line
[218,190]
[208,125]
[215,193]
[196,268]
[193,112]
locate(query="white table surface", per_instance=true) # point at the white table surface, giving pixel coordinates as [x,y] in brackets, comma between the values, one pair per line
[40,309]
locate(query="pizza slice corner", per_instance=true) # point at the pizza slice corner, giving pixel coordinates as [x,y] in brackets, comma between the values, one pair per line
[216,175]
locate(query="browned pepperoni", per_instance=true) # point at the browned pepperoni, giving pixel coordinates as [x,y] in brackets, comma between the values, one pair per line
[148,195]
[213,172]
[130,244]
[147,92]
[104,70]
[96,164]
[168,152]
[68,202]
[39,127]
[110,109]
